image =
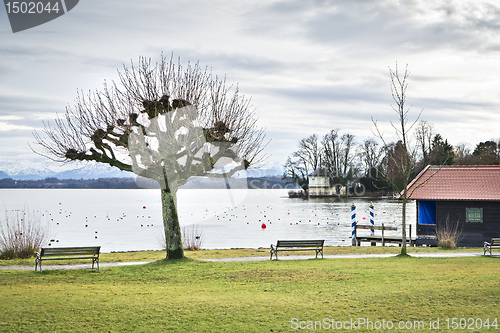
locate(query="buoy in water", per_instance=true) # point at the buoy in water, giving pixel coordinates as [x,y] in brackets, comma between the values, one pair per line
[263,226]
[143,207]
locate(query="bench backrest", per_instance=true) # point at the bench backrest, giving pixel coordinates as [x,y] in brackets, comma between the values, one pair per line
[300,243]
[495,241]
[70,251]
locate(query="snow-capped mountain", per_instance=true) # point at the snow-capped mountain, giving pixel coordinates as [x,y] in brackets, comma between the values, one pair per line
[266,170]
[94,172]
[28,170]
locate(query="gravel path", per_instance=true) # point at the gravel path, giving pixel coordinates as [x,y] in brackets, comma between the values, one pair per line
[300,257]
[63,267]
[352,256]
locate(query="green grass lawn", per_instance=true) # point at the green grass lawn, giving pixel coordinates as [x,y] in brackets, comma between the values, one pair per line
[266,296]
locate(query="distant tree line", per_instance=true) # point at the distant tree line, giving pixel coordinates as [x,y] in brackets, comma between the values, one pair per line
[131,183]
[347,161]
[52,182]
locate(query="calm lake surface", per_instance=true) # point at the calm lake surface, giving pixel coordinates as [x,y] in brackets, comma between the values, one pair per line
[130,220]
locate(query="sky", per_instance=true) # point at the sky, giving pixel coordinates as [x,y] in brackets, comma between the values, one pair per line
[309,66]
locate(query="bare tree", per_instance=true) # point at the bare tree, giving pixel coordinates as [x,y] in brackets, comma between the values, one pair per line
[164,122]
[347,141]
[331,152]
[402,159]
[338,153]
[463,154]
[424,134]
[295,172]
[370,154]
[303,161]
[309,153]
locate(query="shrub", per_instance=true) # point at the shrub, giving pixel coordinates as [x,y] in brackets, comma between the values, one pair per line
[449,234]
[192,238]
[296,194]
[22,233]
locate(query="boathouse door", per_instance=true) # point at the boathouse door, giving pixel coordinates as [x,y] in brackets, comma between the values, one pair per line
[426,222]
[426,212]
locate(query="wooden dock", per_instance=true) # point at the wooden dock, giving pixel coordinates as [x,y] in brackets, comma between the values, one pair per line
[383,239]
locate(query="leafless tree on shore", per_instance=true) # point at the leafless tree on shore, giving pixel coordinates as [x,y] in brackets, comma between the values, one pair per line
[164,122]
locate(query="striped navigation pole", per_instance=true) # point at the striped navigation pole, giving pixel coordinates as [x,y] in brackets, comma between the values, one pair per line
[353,223]
[372,222]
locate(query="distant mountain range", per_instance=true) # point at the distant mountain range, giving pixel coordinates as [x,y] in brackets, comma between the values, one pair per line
[40,170]
[28,170]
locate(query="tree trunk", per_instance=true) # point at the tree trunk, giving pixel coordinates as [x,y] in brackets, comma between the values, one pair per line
[173,240]
[403,224]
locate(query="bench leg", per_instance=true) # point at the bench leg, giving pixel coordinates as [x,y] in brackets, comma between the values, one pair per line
[96,260]
[275,251]
[38,262]
[486,248]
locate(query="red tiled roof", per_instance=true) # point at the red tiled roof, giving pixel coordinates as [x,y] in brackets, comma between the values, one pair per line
[457,182]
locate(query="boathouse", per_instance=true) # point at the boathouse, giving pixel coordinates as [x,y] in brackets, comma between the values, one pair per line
[463,195]
[319,184]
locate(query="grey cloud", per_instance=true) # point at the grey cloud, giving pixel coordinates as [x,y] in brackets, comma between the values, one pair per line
[329,93]
[222,61]
[29,110]
[381,25]
[22,136]
[452,104]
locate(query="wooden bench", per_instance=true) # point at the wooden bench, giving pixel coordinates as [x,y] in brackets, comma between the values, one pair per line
[64,253]
[494,244]
[383,238]
[297,245]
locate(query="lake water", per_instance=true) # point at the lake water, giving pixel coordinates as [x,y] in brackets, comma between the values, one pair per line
[130,220]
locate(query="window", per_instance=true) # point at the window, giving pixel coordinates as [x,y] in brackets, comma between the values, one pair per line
[474,215]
